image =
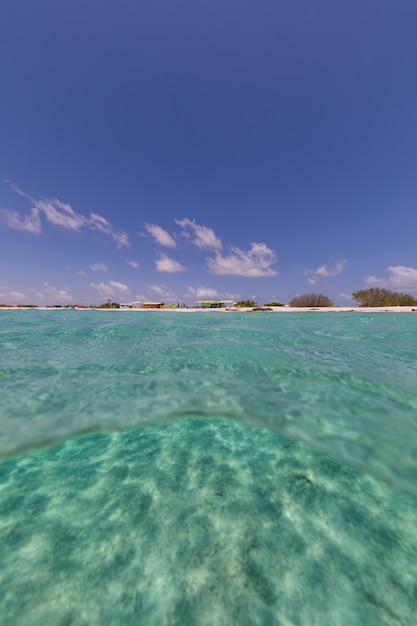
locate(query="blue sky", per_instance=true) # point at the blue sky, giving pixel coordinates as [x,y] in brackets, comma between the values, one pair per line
[202,149]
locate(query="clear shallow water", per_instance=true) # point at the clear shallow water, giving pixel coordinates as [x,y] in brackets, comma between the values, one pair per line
[201,522]
[343,383]
[208,521]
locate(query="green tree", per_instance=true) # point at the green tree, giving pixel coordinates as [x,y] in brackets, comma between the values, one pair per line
[275,304]
[109,305]
[247,303]
[375,296]
[311,300]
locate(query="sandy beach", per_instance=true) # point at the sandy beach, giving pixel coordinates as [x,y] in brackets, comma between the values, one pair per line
[276,309]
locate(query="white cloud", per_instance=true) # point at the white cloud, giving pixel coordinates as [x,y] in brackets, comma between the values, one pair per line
[17,295]
[401,278]
[160,235]
[162,292]
[232,296]
[53,294]
[121,238]
[119,286]
[204,237]
[313,276]
[110,289]
[59,214]
[38,294]
[30,223]
[165,264]
[99,267]
[201,293]
[345,296]
[98,222]
[195,294]
[11,296]
[48,295]
[134,264]
[255,262]
[334,270]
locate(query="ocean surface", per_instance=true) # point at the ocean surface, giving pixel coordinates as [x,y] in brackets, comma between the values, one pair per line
[208,468]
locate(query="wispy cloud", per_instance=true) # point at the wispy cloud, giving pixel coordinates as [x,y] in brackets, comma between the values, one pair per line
[165,264]
[12,296]
[254,263]
[29,223]
[98,222]
[201,236]
[134,264]
[48,294]
[314,276]
[121,238]
[59,214]
[160,235]
[99,267]
[53,294]
[17,295]
[201,293]
[400,278]
[345,296]
[107,290]
[163,292]
[208,293]
[334,270]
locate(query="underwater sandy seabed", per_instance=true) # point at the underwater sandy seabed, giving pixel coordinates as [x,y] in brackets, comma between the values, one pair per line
[201,522]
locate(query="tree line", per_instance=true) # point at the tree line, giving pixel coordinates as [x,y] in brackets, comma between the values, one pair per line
[373,297]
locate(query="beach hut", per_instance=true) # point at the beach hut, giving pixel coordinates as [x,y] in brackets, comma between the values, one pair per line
[213,304]
[152,305]
[131,305]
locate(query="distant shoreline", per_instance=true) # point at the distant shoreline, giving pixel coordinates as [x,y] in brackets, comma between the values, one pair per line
[277,309]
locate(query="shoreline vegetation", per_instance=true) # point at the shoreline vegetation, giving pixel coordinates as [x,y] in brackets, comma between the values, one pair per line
[234,309]
[373,299]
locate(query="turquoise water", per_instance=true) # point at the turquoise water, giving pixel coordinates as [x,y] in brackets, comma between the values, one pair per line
[229,468]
